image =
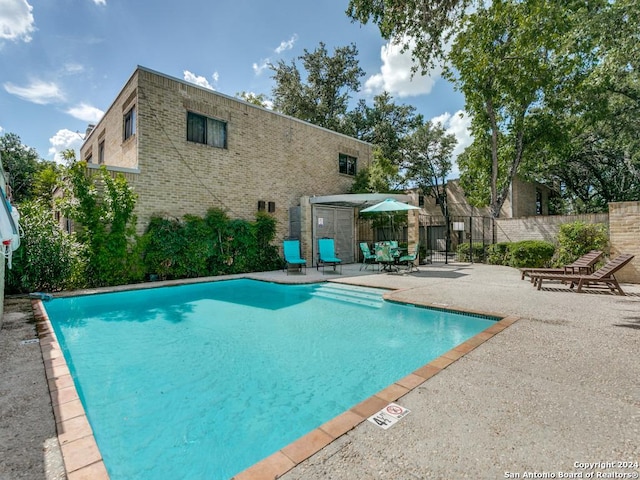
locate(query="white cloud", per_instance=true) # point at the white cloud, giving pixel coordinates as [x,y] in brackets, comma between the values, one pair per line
[258,69]
[86,113]
[73,68]
[199,80]
[287,44]
[395,74]
[37,91]
[63,140]
[458,124]
[16,20]
[100,2]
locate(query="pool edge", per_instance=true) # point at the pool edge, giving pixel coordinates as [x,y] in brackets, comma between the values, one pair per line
[80,453]
[82,457]
[290,456]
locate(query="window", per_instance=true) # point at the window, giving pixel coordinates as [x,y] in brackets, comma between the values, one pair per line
[206,130]
[101,153]
[89,158]
[538,202]
[347,164]
[129,125]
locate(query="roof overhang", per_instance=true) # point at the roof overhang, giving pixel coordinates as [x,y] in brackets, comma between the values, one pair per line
[357,199]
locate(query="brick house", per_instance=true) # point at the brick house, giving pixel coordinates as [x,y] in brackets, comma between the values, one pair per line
[185,149]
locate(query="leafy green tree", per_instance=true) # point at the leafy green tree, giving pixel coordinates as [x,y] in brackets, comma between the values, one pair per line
[322,97]
[428,162]
[22,164]
[506,62]
[380,177]
[385,125]
[259,99]
[425,26]
[102,206]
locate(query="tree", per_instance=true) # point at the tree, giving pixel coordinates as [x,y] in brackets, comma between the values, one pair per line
[428,162]
[21,162]
[323,98]
[384,124]
[424,26]
[508,62]
[102,206]
[260,99]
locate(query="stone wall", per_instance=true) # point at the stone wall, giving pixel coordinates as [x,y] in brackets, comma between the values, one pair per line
[624,231]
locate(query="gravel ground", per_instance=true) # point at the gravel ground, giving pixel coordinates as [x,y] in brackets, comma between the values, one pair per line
[559,386]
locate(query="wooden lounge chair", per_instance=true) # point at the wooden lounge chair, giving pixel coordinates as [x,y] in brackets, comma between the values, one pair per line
[292,258]
[583,265]
[603,277]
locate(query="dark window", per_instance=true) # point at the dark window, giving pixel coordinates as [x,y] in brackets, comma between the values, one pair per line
[129,127]
[101,153]
[347,164]
[206,130]
[538,202]
[272,207]
[261,205]
[421,200]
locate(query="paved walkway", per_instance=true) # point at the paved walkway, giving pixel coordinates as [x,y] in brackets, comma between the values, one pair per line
[556,392]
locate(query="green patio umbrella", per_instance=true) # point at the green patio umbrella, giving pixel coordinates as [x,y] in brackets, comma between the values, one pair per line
[388,206]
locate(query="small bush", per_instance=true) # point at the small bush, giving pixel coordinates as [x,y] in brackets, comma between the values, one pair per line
[577,238]
[48,259]
[530,253]
[498,254]
[478,252]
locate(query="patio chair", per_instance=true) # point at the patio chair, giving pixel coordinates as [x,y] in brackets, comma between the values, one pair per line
[327,254]
[583,265]
[368,258]
[292,258]
[410,260]
[601,278]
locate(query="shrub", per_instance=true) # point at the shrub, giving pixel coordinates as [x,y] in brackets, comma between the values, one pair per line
[478,252]
[577,238]
[48,259]
[213,245]
[530,253]
[498,253]
[103,207]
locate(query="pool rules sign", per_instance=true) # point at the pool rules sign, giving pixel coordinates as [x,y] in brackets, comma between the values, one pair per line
[388,416]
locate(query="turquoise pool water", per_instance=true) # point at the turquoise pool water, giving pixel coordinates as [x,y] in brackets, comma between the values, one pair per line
[202,381]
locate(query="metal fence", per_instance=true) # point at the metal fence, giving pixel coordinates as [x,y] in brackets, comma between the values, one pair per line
[461,239]
[465,240]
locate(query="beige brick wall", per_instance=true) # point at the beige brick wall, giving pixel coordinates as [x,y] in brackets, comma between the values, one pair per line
[624,229]
[269,157]
[540,227]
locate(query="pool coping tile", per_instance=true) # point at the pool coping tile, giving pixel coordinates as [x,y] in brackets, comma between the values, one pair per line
[80,452]
[82,456]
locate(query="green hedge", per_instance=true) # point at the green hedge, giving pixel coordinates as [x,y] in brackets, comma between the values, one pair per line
[530,253]
[213,245]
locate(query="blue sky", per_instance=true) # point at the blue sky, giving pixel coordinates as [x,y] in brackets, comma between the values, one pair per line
[63,62]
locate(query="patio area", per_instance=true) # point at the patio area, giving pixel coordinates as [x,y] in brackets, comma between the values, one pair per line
[555,392]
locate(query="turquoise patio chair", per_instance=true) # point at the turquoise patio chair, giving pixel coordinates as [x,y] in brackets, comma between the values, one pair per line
[292,258]
[384,256]
[327,254]
[368,258]
[410,260]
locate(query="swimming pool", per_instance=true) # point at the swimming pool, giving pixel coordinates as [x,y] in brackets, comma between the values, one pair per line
[202,381]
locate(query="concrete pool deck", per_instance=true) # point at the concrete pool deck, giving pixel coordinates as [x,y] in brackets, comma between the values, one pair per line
[553,392]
